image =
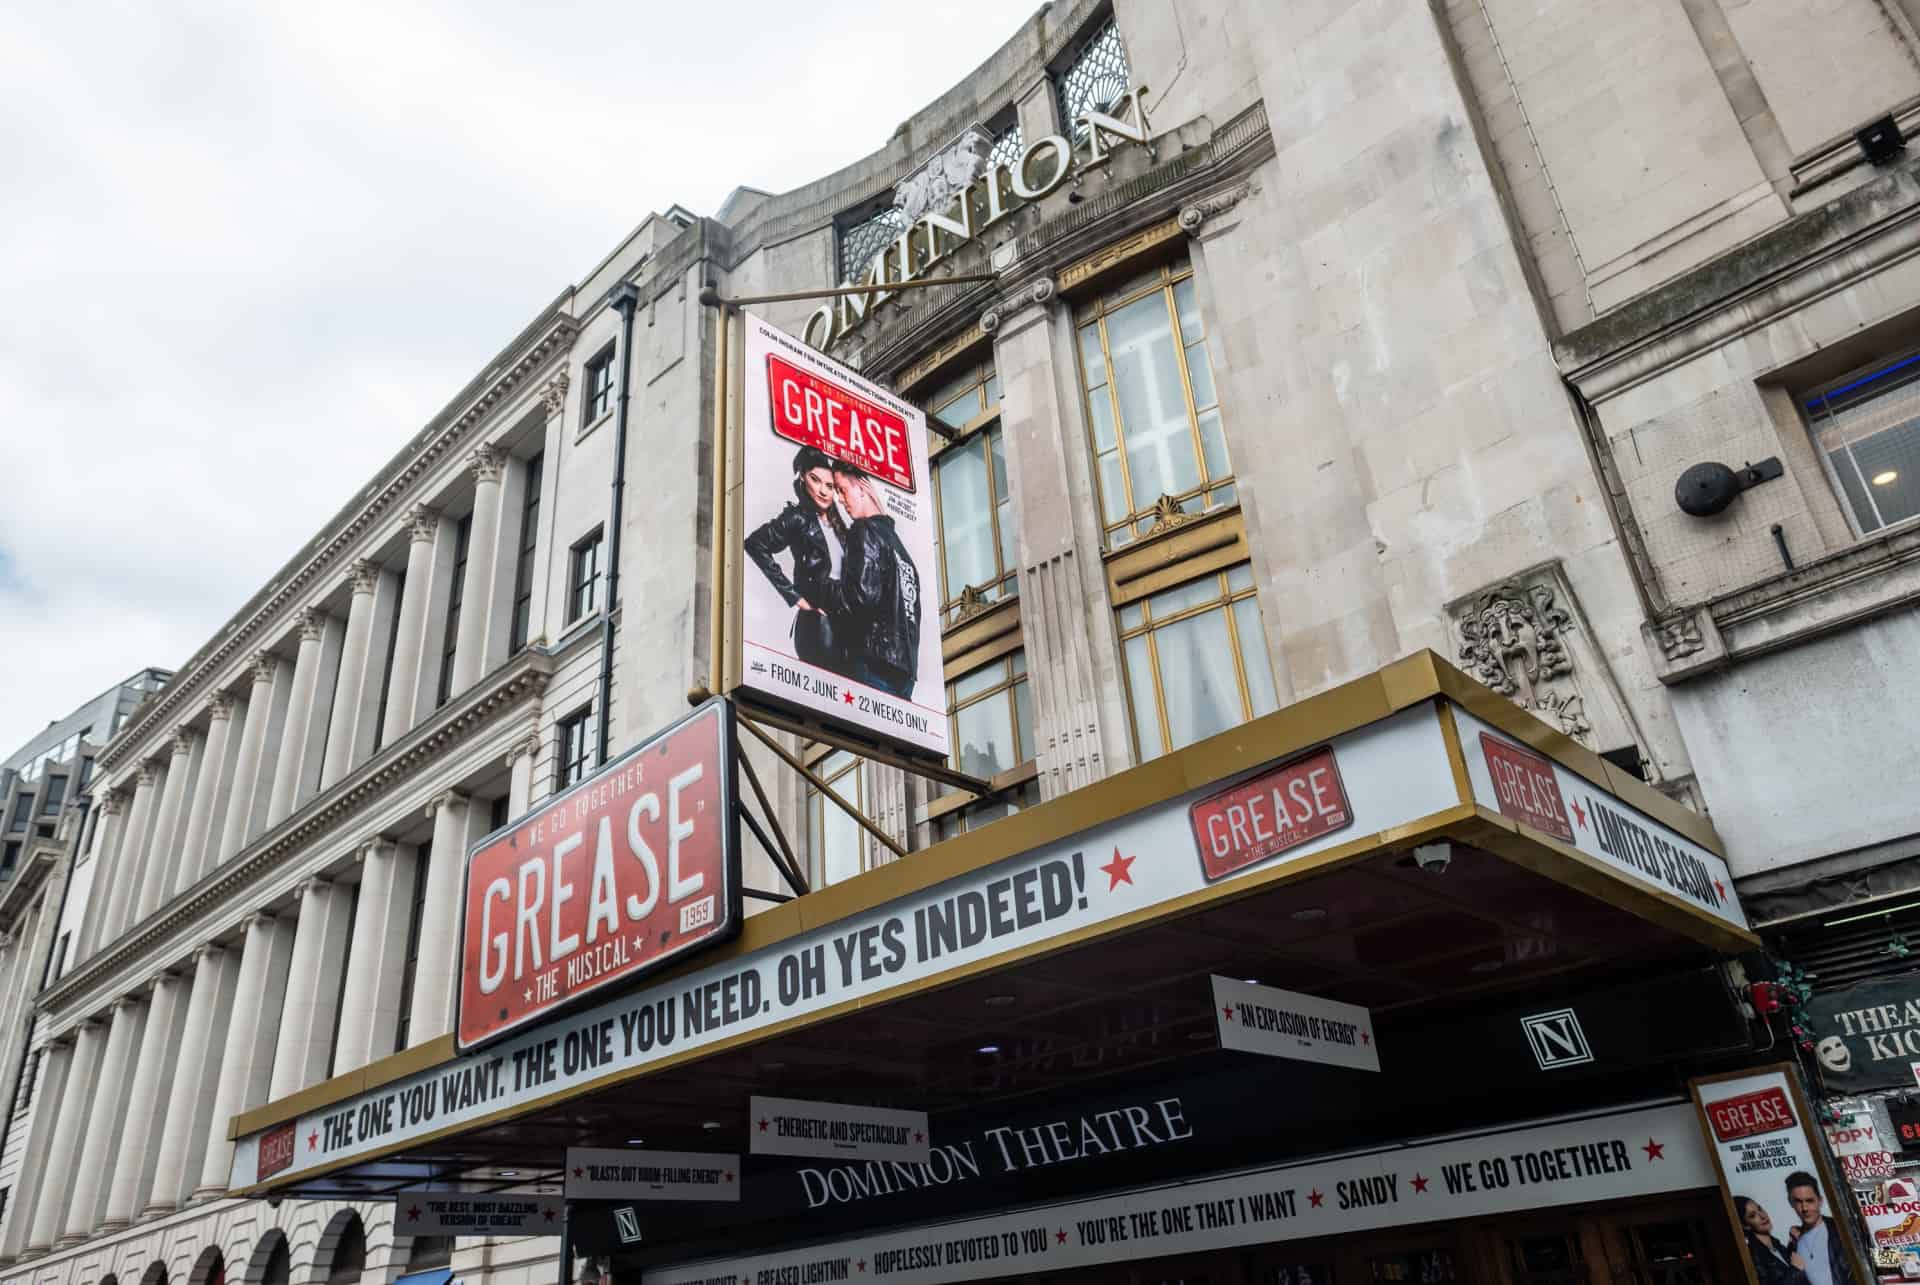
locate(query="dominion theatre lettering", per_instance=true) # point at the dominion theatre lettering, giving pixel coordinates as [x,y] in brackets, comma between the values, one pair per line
[1626,841]
[1003,188]
[1003,1149]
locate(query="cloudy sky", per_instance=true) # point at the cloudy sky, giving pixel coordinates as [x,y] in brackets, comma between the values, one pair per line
[247,250]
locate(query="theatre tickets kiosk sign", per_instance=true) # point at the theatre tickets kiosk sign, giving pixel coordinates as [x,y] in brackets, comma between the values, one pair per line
[840,606]
[1392,775]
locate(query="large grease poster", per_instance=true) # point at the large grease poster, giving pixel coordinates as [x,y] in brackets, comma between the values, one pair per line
[840,600]
[1789,1213]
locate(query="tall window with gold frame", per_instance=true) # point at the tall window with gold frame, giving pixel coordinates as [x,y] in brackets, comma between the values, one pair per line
[837,847]
[990,712]
[1196,661]
[979,534]
[1151,407]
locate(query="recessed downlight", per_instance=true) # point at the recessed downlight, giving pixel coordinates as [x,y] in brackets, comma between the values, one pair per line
[1307,914]
[988,1048]
[1886,477]
[1487,966]
[1000,1001]
[710,1125]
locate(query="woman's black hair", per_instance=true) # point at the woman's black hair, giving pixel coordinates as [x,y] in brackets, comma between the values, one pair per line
[809,458]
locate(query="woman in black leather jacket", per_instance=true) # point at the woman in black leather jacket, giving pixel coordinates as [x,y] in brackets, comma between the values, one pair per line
[814,534]
[1773,1262]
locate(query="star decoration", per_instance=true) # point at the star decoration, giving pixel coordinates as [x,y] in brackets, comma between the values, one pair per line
[1060,1235]
[763,1126]
[1118,871]
[578,1172]
[1226,1011]
[1720,888]
[413,1211]
[527,995]
[549,1214]
[728,1175]
[1420,1182]
[861,1265]
[849,698]
[639,942]
[1655,1150]
[1314,1197]
[1365,1038]
[313,1140]
[1580,814]
[919,1136]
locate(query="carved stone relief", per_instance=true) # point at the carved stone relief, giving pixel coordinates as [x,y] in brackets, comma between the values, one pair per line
[1526,639]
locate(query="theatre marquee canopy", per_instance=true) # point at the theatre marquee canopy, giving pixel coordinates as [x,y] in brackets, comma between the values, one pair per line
[1405,839]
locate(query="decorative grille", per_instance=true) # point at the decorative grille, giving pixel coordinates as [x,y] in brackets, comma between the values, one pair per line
[859,242]
[1097,76]
[1006,149]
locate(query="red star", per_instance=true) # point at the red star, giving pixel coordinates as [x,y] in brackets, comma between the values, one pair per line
[919,1136]
[1314,1197]
[549,1214]
[1420,1182]
[763,1126]
[1227,1012]
[313,1140]
[849,698]
[1720,888]
[1580,814]
[413,1212]
[1118,871]
[1655,1150]
[578,1172]
[1365,1038]
[861,1265]
[728,1175]
[1060,1235]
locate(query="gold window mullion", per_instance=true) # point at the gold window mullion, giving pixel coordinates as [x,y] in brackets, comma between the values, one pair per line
[1119,433]
[1239,653]
[1186,390]
[993,505]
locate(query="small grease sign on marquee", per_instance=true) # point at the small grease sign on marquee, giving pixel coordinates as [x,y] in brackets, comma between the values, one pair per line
[632,868]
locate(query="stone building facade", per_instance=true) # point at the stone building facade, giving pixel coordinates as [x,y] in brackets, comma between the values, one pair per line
[1320,333]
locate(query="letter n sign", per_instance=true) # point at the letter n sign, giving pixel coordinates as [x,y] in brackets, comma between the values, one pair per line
[626,1222]
[1556,1039]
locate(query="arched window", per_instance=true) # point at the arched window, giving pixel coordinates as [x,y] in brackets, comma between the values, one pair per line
[156,1274]
[349,1248]
[209,1269]
[279,1264]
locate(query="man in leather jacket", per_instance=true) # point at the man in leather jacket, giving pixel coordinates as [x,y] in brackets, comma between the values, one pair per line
[876,598]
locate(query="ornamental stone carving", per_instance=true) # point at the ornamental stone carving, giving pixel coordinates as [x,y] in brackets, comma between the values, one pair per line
[364,576]
[182,742]
[933,187]
[1195,213]
[1680,638]
[445,799]
[527,746]
[113,804]
[554,392]
[220,707]
[1526,639]
[423,522]
[265,666]
[150,773]
[1037,293]
[486,462]
[313,624]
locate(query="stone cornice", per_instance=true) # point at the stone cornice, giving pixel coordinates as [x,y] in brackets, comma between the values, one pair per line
[528,356]
[405,762]
[29,874]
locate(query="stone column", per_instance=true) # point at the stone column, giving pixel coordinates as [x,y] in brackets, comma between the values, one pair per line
[313,987]
[246,1069]
[483,538]
[260,739]
[74,1105]
[210,793]
[297,775]
[163,854]
[1070,716]
[127,869]
[376,966]
[100,1144]
[36,1165]
[106,857]
[196,1074]
[520,760]
[410,688]
[152,1070]
[363,656]
[440,920]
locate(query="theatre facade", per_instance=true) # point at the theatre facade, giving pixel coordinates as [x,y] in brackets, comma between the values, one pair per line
[1396,779]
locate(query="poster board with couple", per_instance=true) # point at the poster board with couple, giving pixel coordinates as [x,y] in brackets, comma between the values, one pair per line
[1788,1210]
[839,589]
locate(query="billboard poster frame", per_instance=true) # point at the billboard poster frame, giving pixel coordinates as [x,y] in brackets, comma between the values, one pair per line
[771,433]
[1836,1199]
[728,901]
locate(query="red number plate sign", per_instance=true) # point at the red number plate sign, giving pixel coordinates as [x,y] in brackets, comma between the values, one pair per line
[817,412]
[1764,1111]
[1526,787]
[1267,814]
[628,870]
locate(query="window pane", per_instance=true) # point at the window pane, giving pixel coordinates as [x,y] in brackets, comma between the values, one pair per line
[1200,375]
[1189,310]
[983,736]
[1890,461]
[1113,489]
[1018,662]
[1214,441]
[960,411]
[983,679]
[1009,517]
[1240,577]
[837,761]
[966,518]
[993,389]
[1132,616]
[1171,602]
[1023,719]
[1197,681]
[840,857]
[1153,405]
[1253,655]
[1100,412]
[1146,708]
[1090,356]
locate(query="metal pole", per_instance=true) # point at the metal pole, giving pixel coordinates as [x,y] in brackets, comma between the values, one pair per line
[623,298]
[716,590]
[773,820]
[859,817]
[566,1243]
[710,295]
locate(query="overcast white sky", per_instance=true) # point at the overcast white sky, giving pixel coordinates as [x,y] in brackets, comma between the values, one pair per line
[247,250]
